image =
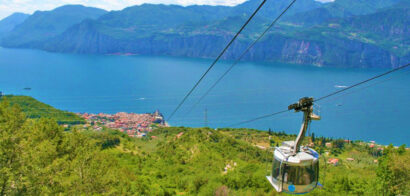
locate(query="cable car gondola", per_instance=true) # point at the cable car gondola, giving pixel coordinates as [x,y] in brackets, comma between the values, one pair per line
[295,168]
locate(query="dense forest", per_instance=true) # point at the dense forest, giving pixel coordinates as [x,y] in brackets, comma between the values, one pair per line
[39,157]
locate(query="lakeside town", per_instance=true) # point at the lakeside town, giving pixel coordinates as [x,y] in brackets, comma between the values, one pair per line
[134,125]
[138,125]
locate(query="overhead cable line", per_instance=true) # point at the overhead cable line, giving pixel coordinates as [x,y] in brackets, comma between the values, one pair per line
[242,55]
[327,96]
[365,87]
[258,118]
[216,60]
[365,81]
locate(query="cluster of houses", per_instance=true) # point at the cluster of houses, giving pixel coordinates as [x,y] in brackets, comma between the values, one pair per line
[134,125]
[372,145]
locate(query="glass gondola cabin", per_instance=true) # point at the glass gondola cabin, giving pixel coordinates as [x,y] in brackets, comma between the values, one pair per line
[295,168]
[296,174]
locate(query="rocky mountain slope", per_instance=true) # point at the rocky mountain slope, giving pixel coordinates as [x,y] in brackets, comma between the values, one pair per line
[343,33]
[44,25]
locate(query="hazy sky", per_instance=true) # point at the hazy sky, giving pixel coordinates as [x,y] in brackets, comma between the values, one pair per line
[8,7]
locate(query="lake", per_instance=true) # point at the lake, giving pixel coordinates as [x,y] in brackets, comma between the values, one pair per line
[377,111]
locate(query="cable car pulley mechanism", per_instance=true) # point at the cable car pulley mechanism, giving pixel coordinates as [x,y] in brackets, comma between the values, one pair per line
[295,168]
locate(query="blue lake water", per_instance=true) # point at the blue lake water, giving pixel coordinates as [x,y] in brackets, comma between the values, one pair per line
[376,111]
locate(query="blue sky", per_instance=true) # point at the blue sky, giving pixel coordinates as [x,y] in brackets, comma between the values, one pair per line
[8,7]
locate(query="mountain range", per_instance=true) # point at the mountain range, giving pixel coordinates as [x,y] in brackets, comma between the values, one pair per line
[343,33]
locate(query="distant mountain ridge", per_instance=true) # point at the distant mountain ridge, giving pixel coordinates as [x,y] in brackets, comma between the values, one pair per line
[344,33]
[43,25]
[8,23]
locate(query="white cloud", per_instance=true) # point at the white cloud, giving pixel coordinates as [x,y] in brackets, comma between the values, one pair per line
[8,7]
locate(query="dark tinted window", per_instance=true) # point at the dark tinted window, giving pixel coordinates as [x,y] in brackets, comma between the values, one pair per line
[301,175]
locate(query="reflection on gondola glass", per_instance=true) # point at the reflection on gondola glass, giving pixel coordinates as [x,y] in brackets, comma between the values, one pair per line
[301,174]
[304,178]
[276,169]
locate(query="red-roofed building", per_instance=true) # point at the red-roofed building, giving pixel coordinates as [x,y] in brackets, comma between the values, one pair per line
[180,134]
[333,161]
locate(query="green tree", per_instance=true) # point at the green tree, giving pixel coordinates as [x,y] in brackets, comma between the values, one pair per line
[38,158]
[11,123]
[393,172]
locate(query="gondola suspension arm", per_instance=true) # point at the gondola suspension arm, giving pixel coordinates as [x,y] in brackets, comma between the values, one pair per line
[306,106]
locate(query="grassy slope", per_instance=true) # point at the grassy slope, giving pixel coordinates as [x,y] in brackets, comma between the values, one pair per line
[35,109]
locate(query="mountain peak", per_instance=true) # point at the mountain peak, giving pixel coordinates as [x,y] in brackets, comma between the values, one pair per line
[76,7]
[8,23]
[18,14]
[44,25]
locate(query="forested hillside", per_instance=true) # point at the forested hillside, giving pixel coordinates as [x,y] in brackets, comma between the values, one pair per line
[343,33]
[37,157]
[35,109]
